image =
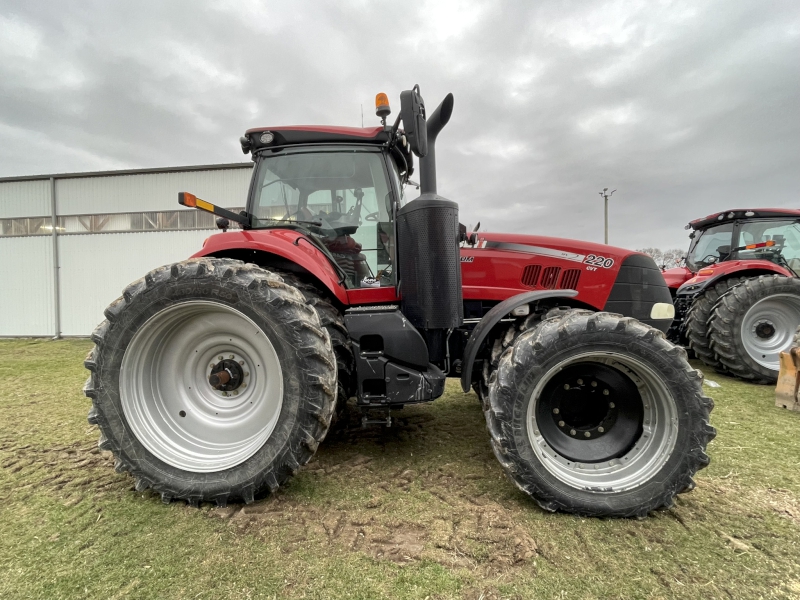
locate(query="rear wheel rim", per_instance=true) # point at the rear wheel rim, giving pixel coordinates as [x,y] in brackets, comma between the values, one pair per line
[630,465]
[169,403]
[768,328]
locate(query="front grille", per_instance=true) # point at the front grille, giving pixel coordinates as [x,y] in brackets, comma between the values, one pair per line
[569,280]
[530,276]
[550,277]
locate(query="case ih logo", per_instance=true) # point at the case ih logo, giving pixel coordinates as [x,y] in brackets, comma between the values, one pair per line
[467,259]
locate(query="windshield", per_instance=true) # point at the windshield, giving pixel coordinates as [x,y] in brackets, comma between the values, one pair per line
[709,246]
[785,236]
[341,198]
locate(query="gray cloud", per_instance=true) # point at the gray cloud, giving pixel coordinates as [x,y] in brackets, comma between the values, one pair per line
[685,107]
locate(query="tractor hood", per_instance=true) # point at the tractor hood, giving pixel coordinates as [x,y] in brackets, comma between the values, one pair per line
[501,265]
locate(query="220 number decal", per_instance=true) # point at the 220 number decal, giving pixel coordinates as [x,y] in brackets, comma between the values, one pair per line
[599,261]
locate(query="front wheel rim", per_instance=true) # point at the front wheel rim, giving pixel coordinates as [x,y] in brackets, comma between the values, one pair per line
[768,328]
[632,466]
[167,399]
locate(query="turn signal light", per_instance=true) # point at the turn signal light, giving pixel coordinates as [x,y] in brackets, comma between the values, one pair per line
[704,272]
[192,201]
[382,108]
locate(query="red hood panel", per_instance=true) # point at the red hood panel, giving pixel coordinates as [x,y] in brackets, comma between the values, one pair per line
[676,277]
[502,265]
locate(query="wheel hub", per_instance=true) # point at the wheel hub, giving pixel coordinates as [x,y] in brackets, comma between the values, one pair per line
[764,330]
[590,412]
[226,376]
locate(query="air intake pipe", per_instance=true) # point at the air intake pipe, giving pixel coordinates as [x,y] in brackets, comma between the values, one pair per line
[429,257]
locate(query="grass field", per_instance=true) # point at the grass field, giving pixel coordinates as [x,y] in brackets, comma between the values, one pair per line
[421,510]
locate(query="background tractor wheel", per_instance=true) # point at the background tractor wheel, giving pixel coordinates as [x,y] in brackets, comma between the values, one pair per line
[753,323]
[697,321]
[211,380]
[597,414]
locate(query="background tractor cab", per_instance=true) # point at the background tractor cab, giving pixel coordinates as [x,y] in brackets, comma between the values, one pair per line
[728,249]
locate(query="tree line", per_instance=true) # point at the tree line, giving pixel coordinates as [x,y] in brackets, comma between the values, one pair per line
[665,259]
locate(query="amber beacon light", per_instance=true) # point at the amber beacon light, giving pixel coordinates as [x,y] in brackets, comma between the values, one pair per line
[382,108]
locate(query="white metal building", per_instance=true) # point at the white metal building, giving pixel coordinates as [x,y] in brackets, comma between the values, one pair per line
[70,243]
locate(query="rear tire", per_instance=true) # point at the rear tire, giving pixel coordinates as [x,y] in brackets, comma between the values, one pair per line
[753,323]
[697,322]
[638,455]
[333,321]
[150,390]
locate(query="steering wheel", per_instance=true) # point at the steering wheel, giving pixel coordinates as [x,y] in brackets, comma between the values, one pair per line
[372,216]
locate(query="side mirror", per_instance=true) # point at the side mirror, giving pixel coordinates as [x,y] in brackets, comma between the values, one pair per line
[412,111]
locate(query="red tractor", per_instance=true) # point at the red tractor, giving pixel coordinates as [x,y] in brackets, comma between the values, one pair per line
[737,299]
[215,379]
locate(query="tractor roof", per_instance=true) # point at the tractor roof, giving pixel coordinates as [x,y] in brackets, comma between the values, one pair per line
[316,134]
[260,138]
[743,213]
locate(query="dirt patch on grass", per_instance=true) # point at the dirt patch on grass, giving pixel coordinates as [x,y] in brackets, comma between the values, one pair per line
[73,471]
[402,514]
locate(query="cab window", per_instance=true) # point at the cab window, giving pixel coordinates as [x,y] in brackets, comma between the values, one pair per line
[709,246]
[785,238]
[342,198]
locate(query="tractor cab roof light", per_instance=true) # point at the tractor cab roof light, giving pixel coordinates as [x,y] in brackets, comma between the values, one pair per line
[382,108]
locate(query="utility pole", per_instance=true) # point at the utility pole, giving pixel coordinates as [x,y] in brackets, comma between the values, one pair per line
[606,195]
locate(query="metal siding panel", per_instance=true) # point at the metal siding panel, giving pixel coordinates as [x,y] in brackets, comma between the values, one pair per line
[26,292]
[150,192]
[24,199]
[96,268]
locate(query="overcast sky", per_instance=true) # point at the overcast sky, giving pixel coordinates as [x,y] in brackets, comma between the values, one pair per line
[686,108]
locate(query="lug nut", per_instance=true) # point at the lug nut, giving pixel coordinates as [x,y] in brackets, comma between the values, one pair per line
[572,432]
[556,411]
[605,392]
[241,362]
[600,429]
[587,434]
[566,386]
[247,373]
[611,405]
[561,423]
[594,384]
[244,385]
[231,356]
[580,381]
[220,357]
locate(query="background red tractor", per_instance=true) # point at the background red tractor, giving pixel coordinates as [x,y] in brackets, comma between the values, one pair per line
[737,299]
[216,378]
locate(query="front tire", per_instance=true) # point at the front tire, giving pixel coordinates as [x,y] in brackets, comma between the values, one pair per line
[597,414]
[154,361]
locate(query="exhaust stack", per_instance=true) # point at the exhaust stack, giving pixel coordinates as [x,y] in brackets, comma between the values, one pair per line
[427,164]
[429,257]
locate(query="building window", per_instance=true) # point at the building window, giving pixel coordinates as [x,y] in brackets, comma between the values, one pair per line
[169,220]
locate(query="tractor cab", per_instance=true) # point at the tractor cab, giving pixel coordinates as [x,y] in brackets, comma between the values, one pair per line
[342,195]
[769,234]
